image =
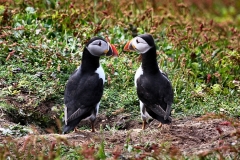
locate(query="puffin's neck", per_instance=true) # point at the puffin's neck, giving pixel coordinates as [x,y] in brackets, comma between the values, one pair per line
[149,61]
[89,62]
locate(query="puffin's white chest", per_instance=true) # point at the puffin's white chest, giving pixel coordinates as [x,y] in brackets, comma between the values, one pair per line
[101,73]
[137,75]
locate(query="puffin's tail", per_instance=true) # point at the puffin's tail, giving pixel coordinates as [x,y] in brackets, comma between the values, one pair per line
[160,117]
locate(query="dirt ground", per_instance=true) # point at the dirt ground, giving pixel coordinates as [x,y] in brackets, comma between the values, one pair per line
[190,136]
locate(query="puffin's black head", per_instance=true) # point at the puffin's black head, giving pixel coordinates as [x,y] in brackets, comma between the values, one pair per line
[141,43]
[98,46]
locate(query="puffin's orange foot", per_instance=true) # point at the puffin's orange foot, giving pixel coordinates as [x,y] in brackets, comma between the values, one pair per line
[164,126]
[160,125]
[93,129]
[76,130]
[144,125]
[92,125]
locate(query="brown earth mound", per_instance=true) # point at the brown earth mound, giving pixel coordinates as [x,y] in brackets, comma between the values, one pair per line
[188,136]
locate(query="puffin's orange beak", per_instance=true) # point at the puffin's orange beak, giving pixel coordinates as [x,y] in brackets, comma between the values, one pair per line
[112,51]
[129,47]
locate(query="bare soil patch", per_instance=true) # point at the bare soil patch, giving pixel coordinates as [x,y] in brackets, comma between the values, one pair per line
[190,135]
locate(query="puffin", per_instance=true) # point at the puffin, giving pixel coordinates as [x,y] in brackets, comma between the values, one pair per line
[154,88]
[84,87]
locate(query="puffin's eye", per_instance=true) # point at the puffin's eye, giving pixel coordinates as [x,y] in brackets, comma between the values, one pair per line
[137,40]
[99,43]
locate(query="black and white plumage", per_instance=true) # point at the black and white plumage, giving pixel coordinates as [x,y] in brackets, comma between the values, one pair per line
[154,89]
[84,88]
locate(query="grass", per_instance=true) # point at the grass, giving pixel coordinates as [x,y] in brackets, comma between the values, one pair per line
[41,45]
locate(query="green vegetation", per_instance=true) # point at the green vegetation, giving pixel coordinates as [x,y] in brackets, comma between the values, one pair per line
[41,44]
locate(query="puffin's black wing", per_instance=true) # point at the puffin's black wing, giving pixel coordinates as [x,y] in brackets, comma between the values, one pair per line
[83,89]
[156,94]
